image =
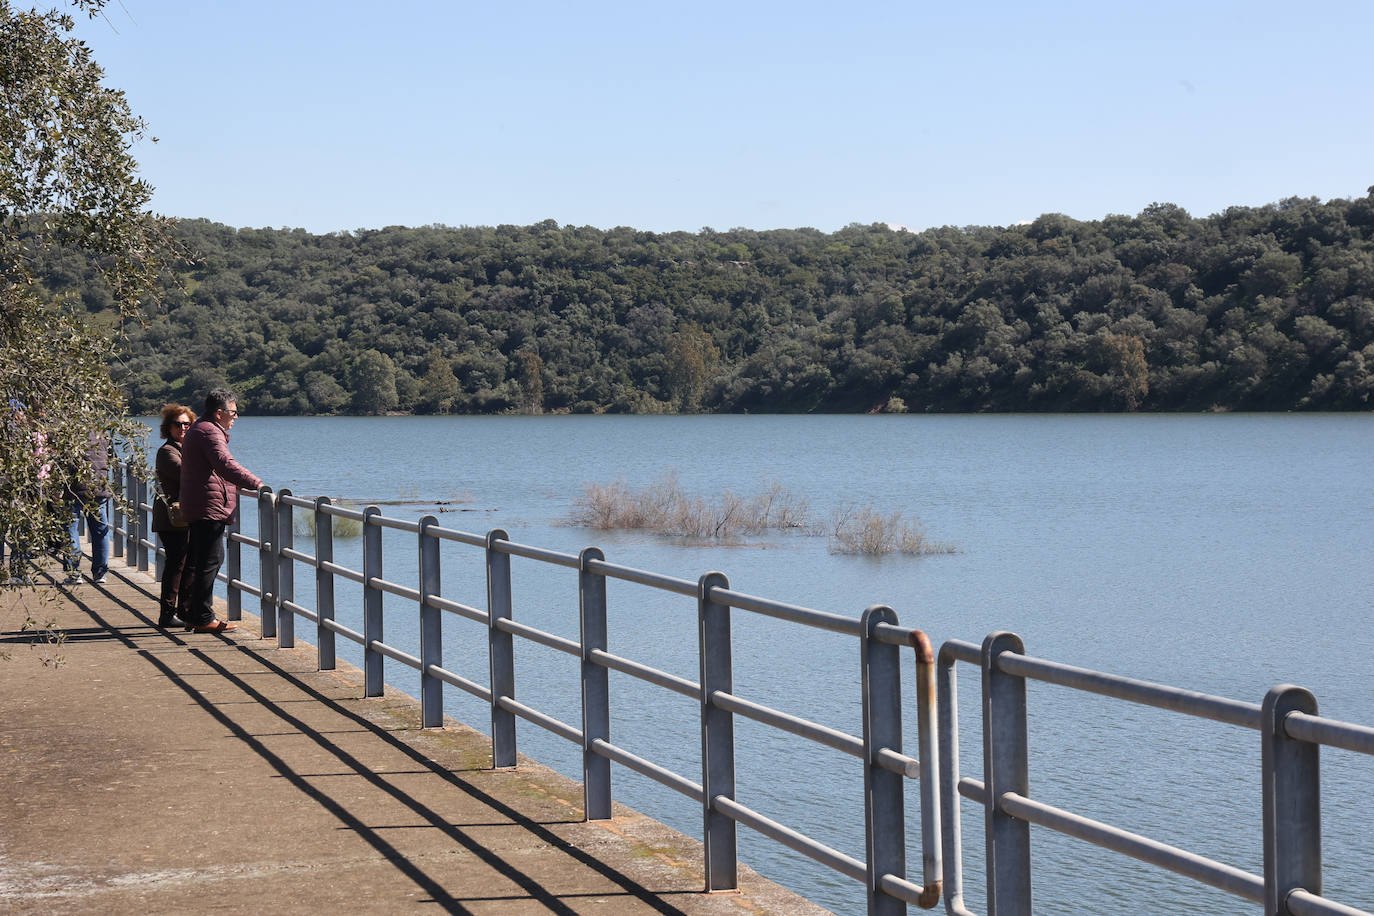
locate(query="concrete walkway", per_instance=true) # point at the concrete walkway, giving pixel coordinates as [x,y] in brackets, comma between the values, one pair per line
[155,772]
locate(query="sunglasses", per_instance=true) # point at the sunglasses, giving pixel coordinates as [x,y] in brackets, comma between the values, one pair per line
[180,423]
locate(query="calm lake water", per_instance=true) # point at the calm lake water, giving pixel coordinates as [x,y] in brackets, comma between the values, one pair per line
[1220,553]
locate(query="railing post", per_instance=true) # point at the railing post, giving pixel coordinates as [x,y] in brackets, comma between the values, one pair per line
[267,562]
[717,734]
[158,555]
[1005,769]
[596,689]
[884,793]
[233,566]
[431,628]
[286,572]
[1292,802]
[142,526]
[928,746]
[951,831]
[131,526]
[374,682]
[501,651]
[324,583]
[120,470]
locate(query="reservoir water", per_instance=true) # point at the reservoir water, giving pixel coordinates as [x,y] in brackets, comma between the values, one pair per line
[1219,553]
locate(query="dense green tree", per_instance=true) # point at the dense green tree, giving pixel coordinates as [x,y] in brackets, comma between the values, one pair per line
[79,253]
[690,359]
[531,377]
[373,375]
[439,388]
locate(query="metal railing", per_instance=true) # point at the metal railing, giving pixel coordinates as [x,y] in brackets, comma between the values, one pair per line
[1287,719]
[1291,734]
[878,637]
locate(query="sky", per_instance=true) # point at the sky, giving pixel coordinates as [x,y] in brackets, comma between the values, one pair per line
[346,115]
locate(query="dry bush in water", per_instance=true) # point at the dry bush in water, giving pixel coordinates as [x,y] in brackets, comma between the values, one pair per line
[663,508]
[867,531]
[344,528]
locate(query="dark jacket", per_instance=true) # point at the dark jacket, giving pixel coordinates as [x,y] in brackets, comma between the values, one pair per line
[210,476]
[168,469]
[92,482]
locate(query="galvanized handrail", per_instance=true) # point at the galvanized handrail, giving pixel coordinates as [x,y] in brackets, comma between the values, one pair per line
[1291,732]
[881,639]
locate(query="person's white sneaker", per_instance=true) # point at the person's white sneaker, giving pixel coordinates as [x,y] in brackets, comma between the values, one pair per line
[100,580]
[73,578]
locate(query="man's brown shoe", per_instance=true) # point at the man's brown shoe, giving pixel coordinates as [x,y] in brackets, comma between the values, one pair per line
[214,626]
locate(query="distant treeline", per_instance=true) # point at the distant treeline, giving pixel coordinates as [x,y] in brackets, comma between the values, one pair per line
[1267,308]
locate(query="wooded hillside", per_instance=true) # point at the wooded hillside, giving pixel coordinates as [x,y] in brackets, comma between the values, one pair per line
[1268,308]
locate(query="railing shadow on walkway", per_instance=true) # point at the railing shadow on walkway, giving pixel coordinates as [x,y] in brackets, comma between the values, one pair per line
[1287,719]
[437,891]
[218,660]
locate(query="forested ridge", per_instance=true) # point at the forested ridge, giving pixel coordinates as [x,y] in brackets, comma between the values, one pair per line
[1255,308]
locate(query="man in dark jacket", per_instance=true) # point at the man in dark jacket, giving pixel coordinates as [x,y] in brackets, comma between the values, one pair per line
[210,478]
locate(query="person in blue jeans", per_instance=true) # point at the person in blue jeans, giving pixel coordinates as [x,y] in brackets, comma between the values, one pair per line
[98,529]
[88,500]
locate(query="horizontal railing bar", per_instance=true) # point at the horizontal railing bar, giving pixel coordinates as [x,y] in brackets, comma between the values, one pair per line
[299,611]
[643,577]
[462,683]
[506,625]
[821,620]
[903,889]
[336,511]
[893,635]
[392,652]
[798,842]
[335,627]
[1207,871]
[245,587]
[293,554]
[830,737]
[645,673]
[398,524]
[462,610]
[351,574]
[1319,730]
[240,538]
[462,537]
[392,588]
[548,723]
[645,768]
[973,790]
[1306,903]
[897,762]
[1175,699]
[293,500]
[962,651]
[536,553]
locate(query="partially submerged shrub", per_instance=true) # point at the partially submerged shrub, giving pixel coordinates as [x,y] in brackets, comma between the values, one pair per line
[867,531]
[664,508]
[344,529]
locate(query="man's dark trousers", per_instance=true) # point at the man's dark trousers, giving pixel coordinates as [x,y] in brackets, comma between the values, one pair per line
[206,551]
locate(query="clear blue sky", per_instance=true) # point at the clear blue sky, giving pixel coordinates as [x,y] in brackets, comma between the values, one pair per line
[347,115]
